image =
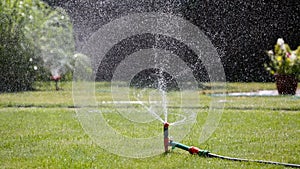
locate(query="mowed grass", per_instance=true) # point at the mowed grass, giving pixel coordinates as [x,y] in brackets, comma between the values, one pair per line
[40,129]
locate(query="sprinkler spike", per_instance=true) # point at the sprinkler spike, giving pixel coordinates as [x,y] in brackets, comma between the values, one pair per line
[166,136]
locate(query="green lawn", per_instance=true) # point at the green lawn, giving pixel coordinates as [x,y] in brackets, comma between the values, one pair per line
[40,129]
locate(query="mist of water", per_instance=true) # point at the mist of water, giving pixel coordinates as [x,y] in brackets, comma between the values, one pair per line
[55,43]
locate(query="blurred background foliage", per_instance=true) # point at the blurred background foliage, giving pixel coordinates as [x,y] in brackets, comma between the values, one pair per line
[23,42]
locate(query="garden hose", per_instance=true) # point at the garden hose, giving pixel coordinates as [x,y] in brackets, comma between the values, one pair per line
[205,153]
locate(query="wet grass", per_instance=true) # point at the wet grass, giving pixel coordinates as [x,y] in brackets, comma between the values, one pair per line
[40,130]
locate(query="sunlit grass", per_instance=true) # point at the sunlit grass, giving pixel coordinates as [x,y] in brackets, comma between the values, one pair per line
[40,129]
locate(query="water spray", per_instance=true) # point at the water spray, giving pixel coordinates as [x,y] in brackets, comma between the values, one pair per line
[205,153]
[96,50]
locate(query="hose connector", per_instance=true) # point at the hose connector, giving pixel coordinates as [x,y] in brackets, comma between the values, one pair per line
[191,150]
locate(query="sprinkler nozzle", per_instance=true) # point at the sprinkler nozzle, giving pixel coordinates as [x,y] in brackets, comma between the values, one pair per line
[55,77]
[166,125]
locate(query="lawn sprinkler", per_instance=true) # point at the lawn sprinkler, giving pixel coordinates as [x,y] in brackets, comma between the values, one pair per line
[205,153]
[56,78]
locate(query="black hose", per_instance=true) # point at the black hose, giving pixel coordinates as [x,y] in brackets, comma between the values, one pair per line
[258,161]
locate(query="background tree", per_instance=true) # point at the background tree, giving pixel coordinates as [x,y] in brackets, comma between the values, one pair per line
[30,30]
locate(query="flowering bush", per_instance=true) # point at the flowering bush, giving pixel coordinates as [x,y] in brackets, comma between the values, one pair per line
[283,60]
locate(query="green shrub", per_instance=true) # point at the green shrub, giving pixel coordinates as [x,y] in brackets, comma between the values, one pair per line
[23,42]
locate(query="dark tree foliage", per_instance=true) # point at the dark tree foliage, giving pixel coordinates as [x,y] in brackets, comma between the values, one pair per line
[240,30]
[17,66]
[22,29]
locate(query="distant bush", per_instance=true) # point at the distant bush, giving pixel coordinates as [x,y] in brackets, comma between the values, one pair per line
[21,27]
